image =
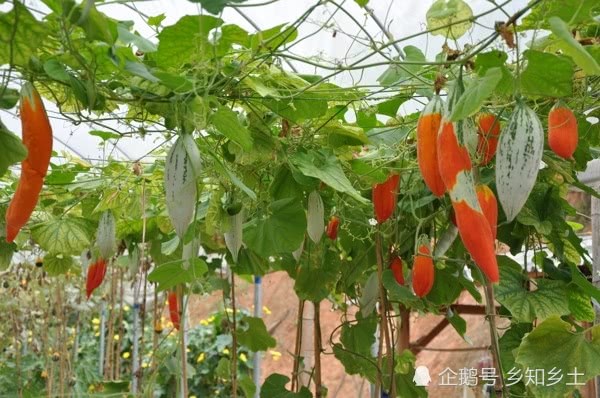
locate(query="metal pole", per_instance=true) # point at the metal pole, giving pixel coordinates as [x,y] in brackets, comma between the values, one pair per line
[595,213]
[134,351]
[102,338]
[258,314]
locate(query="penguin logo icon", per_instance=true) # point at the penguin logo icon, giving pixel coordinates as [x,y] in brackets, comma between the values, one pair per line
[422,378]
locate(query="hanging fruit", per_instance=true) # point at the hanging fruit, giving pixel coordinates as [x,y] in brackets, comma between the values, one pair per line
[174,310]
[37,138]
[488,133]
[489,206]
[456,171]
[384,197]
[106,235]
[427,131]
[233,238]
[181,169]
[396,267]
[95,276]
[315,217]
[562,130]
[423,271]
[518,159]
[332,227]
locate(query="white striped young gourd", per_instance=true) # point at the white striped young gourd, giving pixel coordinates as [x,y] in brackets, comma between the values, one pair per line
[518,159]
[180,182]
[315,217]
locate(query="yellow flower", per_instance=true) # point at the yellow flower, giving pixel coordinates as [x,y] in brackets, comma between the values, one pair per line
[125,355]
[243,357]
[116,337]
[275,355]
[229,310]
[144,364]
[96,321]
[126,308]
[226,351]
[97,334]
[211,319]
[192,396]
[200,357]
[266,310]
[203,322]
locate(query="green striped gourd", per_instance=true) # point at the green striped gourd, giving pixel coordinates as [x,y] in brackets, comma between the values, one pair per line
[106,235]
[233,238]
[181,171]
[315,217]
[518,159]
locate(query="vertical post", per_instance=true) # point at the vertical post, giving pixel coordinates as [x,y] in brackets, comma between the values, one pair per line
[404,327]
[134,351]
[595,213]
[374,354]
[102,338]
[308,349]
[258,314]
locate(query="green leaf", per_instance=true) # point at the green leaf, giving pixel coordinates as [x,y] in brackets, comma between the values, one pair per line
[475,95]
[172,274]
[575,11]
[362,3]
[555,345]
[400,73]
[56,70]
[580,304]
[547,75]
[57,263]
[11,148]
[326,167]
[341,134]
[228,124]
[272,38]
[96,25]
[66,235]
[255,336]
[280,232]
[510,341]
[216,6]
[398,293]
[572,48]
[490,59]
[316,279]
[458,323]
[9,98]
[300,107]
[141,43]
[105,135]
[247,386]
[550,297]
[6,252]
[354,349]
[141,70]
[370,295]
[187,41]
[449,12]
[21,38]
[390,107]
[223,369]
[156,20]
[274,387]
